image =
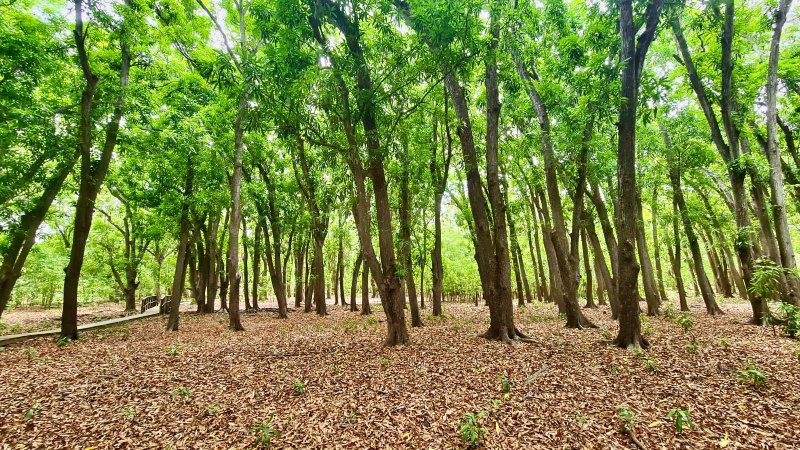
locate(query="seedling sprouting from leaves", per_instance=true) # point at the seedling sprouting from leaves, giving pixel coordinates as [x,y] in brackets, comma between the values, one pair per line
[470,430]
[384,362]
[265,432]
[299,387]
[212,409]
[63,341]
[626,417]
[752,374]
[31,413]
[181,391]
[505,383]
[173,350]
[128,412]
[685,321]
[681,418]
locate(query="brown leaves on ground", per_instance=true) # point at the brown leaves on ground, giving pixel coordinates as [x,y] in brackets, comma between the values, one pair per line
[136,386]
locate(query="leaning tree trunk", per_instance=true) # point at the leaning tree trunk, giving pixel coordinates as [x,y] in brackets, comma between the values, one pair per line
[587,267]
[773,155]
[694,246]
[650,291]
[179,278]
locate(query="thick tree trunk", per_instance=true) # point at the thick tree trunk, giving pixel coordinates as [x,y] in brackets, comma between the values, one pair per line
[632,53]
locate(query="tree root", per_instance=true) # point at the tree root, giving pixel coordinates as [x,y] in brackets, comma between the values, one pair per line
[636,441]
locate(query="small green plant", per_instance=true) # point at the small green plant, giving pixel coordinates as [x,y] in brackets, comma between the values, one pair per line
[790,322]
[692,347]
[212,409]
[752,374]
[129,413]
[370,321]
[33,412]
[181,391]
[681,418]
[685,321]
[173,350]
[470,430]
[626,417]
[651,365]
[299,387]
[723,342]
[63,341]
[766,279]
[670,312]
[265,432]
[505,383]
[384,362]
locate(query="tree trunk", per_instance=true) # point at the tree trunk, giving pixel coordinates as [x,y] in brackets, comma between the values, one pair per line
[657,248]
[587,267]
[649,282]
[632,53]
[256,265]
[234,277]
[247,305]
[405,240]
[777,198]
[179,278]
[354,282]
[697,257]
[92,172]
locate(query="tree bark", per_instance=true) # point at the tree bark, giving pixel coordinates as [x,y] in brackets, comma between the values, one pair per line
[632,54]
[93,172]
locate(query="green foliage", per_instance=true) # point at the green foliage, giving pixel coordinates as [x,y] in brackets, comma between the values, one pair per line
[299,387]
[681,418]
[751,374]
[180,391]
[265,432]
[766,279]
[129,413]
[32,412]
[212,409]
[470,430]
[626,417]
[669,311]
[790,322]
[173,350]
[685,321]
[384,362]
[64,341]
[505,383]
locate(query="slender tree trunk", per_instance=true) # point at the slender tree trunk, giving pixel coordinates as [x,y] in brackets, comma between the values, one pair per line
[587,267]
[298,274]
[256,265]
[365,307]
[183,246]
[247,305]
[234,277]
[600,261]
[405,241]
[778,199]
[354,282]
[697,257]
[662,292]
[649,282]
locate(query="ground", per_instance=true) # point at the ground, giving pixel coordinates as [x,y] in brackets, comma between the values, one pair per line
[28,320]
[328,383]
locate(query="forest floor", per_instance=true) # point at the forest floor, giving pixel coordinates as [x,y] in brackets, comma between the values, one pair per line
[328,383]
